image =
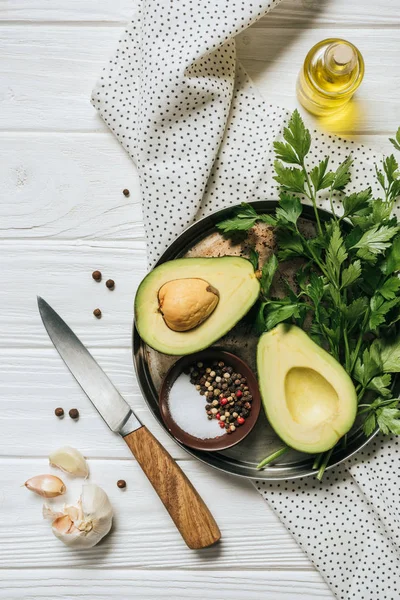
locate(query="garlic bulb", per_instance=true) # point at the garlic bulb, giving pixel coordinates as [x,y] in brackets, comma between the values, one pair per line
[70,461]
[85,524]
[48,486]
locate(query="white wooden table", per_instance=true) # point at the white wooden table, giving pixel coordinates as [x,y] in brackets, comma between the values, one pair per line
[62,215]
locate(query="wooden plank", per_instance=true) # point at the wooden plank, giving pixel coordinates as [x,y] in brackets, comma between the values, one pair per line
[68,186]
[273,58]
[143,535]
[70,584]
[323,13]
[61,273]
[50,72]
[31,394]
[292,13]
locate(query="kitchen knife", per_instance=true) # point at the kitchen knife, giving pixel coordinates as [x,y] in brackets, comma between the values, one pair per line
[188,511]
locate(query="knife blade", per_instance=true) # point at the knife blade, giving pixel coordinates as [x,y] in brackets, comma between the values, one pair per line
[115,411]
[185,506]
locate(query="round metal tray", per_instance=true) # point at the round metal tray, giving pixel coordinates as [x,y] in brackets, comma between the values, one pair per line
[203,239]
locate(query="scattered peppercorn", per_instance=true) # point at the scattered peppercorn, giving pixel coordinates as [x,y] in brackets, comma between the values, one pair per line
[97,313]
[121,483]
[110,283]
[59,412]
[126,193]
[74,413]
[96,275]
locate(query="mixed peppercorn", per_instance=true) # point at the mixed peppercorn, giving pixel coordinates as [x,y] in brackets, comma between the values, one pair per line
[227,393]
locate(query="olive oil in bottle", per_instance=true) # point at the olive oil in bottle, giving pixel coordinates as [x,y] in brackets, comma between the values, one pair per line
[332,71]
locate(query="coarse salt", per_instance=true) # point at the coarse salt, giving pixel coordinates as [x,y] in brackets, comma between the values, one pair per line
[187,408]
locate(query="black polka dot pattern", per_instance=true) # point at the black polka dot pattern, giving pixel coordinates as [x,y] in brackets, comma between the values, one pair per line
[348,524]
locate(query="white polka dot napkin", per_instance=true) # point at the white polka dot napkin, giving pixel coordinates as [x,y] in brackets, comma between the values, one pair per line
[182,106]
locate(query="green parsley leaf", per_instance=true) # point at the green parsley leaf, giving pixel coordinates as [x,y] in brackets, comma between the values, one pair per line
[376,240]
[390,288]
[389,352]
[380,385]
[342,174]
[388,420]
[390,166]
[286,153]
[380,211]
[320,179]
[269,219]
[351,274]
[336,253]
[289,209]
[236,224]
[290,244]
[392,260]
[379,309]
[253,258]
[355,311]
[260,320]
[279,313]
[268,272]
[334,293]
[357,201]
[370,366]
[244,219]
[315,289]
[380,177]
[369,424]
[396,142]
[297,135]
[291,179]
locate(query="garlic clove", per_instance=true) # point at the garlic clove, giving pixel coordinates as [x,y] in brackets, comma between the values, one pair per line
[64,525]
[85,524]
[70,461]
[48,486]
[50,514]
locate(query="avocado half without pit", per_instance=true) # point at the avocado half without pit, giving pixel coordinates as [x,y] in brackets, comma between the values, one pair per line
[309,399]
[186,304]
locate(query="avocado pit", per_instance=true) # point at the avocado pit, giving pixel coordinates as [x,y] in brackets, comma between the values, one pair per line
[186,303]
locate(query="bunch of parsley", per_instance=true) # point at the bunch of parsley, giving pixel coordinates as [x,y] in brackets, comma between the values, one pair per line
[348,288]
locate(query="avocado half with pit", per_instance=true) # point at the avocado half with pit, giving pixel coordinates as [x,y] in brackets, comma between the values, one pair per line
[186,304]
[309,399]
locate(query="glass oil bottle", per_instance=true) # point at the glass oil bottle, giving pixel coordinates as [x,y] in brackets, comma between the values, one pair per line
[332,72]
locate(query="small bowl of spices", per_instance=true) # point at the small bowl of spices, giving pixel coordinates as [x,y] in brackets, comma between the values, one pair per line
[210,400]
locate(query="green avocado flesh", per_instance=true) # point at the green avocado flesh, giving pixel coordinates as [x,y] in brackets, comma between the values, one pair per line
[238,288]
[308,397]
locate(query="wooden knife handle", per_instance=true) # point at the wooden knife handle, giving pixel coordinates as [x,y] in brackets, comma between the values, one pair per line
[188,511]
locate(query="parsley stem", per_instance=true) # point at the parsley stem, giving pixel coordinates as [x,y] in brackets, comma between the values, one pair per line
[272,457]
[346,349]
[361,393]
[331,204]
[359,341]
[312,197]
[324,464]
[317,460]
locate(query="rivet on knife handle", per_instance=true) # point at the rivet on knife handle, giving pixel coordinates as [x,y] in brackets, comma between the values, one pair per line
[185,506]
